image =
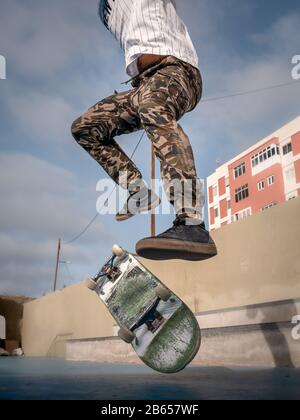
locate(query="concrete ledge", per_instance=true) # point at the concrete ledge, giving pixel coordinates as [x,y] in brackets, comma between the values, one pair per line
[257,335]
[267,345]
[108,350]
[266,313]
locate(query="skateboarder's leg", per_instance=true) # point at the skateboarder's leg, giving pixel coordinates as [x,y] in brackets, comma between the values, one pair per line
[95,132]
[96,129]
[170,93]
[163,101]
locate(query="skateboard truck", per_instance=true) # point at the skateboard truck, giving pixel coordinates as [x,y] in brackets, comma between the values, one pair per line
[152,318]
[108,271]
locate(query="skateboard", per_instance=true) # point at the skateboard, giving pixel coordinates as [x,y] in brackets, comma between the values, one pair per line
[162,330]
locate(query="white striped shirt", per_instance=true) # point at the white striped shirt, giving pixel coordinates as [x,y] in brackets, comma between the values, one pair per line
[147,27]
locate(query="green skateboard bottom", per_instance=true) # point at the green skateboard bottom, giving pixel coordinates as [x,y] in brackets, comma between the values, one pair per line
[166,334]
[176,345]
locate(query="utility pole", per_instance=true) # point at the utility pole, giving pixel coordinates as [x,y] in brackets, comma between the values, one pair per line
[152,224]
[56,267]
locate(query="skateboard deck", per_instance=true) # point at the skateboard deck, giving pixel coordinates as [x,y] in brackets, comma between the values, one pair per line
[162,330]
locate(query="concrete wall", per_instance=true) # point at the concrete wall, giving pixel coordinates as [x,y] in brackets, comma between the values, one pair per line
[259,335]
[258,263]
[267,346]
[74,312]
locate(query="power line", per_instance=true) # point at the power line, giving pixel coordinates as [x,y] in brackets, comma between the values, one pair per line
[97,214]
[85,229]
[248,92]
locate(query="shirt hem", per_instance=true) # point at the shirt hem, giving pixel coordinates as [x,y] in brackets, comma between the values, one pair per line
[134,52]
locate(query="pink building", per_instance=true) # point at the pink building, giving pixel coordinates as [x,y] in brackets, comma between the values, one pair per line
[266,174]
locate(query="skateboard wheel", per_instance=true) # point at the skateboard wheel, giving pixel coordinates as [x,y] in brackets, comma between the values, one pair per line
[117,251]
[90,284]
[163,293]
[126,335]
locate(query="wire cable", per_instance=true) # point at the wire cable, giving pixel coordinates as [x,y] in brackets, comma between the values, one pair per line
[97,214]
[249,92]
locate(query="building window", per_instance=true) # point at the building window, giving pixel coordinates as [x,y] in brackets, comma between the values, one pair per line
[241,215]
[290,174]
[215,191]
[264,155]
[240,170]
[216,212]
[248,212]
[271,180]
[269,206]
[288,148]
[244,214]
[261,185]
[241,193]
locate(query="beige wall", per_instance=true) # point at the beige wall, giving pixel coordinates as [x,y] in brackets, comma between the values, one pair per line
[74,312]
[258,262]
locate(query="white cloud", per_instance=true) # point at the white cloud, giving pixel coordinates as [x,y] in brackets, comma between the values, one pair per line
[41,202]
[57,53]
[282,36]
[42,38]
[46,118]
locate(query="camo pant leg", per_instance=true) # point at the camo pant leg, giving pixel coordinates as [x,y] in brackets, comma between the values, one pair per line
[165,93]
[95,132]
[163,99]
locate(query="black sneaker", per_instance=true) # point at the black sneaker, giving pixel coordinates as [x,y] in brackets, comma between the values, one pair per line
[138,202]
[186,240]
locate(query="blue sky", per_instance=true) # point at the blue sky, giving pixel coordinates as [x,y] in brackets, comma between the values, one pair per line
[60,61]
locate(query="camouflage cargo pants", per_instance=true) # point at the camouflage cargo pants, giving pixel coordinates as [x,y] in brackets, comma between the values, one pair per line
[159,98]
